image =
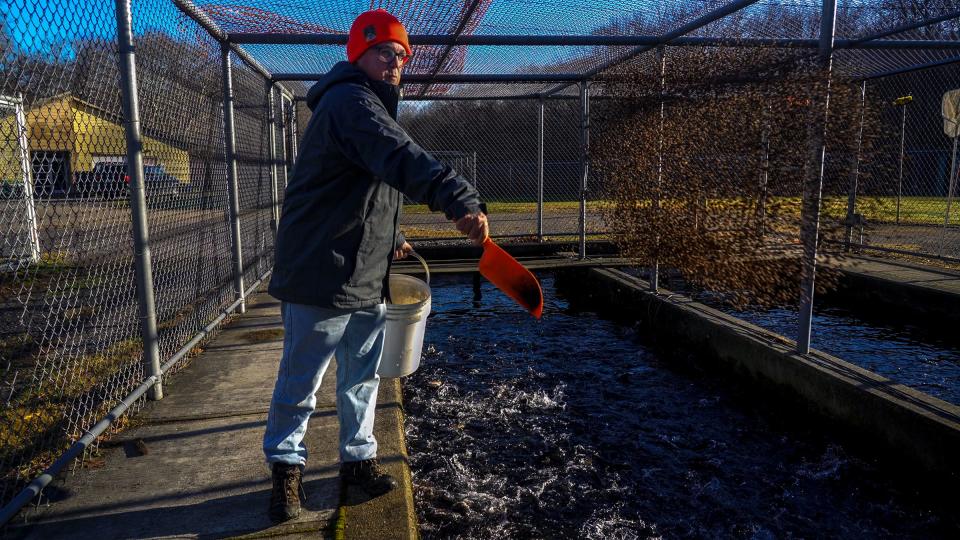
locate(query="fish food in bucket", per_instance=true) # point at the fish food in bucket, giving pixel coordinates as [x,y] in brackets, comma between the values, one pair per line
[406,321]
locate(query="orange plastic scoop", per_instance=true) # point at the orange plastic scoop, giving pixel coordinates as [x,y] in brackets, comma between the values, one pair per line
[511,277]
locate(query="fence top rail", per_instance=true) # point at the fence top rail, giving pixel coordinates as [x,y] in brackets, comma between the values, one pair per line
[295,41]
[283,38]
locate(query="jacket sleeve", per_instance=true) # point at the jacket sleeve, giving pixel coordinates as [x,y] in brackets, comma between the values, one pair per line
[368,136]
[401,239]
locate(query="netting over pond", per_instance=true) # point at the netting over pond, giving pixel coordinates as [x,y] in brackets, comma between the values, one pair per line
[145,147]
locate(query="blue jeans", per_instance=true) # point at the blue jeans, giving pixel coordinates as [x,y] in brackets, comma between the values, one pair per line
[312,335]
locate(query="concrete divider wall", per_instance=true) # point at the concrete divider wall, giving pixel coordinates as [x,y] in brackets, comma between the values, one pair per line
[911,424]
[913,293]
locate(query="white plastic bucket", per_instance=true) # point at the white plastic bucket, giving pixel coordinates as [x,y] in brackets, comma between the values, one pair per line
[406,322]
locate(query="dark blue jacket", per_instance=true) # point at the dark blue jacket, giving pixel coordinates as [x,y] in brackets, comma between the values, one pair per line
[341,209]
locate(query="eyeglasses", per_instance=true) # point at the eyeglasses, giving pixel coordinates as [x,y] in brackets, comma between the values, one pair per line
[387,55]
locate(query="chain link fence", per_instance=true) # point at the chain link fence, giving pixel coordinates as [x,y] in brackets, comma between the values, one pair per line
[719,130]
[528,175]
[70,329]
[907,206]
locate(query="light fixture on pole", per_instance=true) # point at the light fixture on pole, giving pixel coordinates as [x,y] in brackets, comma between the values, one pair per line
[901,101]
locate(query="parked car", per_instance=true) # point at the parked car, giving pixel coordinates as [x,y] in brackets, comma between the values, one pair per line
[110,180]
[11,189]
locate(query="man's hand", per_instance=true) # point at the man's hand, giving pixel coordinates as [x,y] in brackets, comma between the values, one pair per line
[402,253]
[475,226]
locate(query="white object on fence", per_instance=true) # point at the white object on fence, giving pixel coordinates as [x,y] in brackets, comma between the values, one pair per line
[406,323]
[29,216]
[950,110]
[951,113]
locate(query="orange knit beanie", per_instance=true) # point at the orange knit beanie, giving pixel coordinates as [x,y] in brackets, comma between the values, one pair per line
[372,28]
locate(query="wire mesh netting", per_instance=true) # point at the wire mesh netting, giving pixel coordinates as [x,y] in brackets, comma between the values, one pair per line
[724,141]
[466,18]
[857,21]
[70,345]
[904,204]
[251,121]
[495,145]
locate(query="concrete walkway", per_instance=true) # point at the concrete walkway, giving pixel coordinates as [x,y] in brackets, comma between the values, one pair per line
[192,467]
[900,287]
[938,279]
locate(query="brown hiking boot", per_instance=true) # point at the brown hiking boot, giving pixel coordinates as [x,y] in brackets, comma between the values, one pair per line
[368,476]
[285,496]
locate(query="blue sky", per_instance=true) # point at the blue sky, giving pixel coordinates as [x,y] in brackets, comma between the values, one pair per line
[48,27]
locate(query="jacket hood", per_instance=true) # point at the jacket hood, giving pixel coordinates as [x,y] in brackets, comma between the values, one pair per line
[340,72]
[347,72]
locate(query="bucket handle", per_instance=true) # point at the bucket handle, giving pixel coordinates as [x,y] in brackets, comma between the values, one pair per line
[424,263]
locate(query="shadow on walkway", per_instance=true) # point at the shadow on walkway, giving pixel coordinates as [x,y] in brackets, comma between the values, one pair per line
[193,467]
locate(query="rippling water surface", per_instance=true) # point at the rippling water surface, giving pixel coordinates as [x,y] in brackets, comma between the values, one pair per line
[905,351]
[571,427]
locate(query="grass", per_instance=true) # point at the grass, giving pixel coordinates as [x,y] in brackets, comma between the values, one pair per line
[87,372]
[507,207]
[913,210]
[35,423]
[876,209]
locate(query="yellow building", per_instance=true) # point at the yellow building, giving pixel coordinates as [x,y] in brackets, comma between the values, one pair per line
[66,130]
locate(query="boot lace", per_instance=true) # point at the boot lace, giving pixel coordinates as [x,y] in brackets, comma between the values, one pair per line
[288,484]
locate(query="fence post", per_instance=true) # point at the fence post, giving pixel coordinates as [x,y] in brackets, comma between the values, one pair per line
[283,137]
[813,185]
[655,266]
[230,147]
[764,174]
[30,208]
[294,131]
[473,168]
[903,140]
[138,205]
[540,135]
[584,162]
[855,177]
[272,121]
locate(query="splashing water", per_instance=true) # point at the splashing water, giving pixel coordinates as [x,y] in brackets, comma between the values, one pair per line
[571,427]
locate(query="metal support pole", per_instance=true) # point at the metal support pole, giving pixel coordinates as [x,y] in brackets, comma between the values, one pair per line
[903,134]
[764,174]
[29,203]
[813,186]
[283,137]
[855,177]
[540,135]
[584,162]
[230,145]
[272,121]
[294,132]
[146,304]
[473,169]
[951,186]
[655,265]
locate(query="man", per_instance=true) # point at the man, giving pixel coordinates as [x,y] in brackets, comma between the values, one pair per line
[337,236]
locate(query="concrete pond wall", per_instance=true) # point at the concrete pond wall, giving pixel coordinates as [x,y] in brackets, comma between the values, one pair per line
[920,432]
